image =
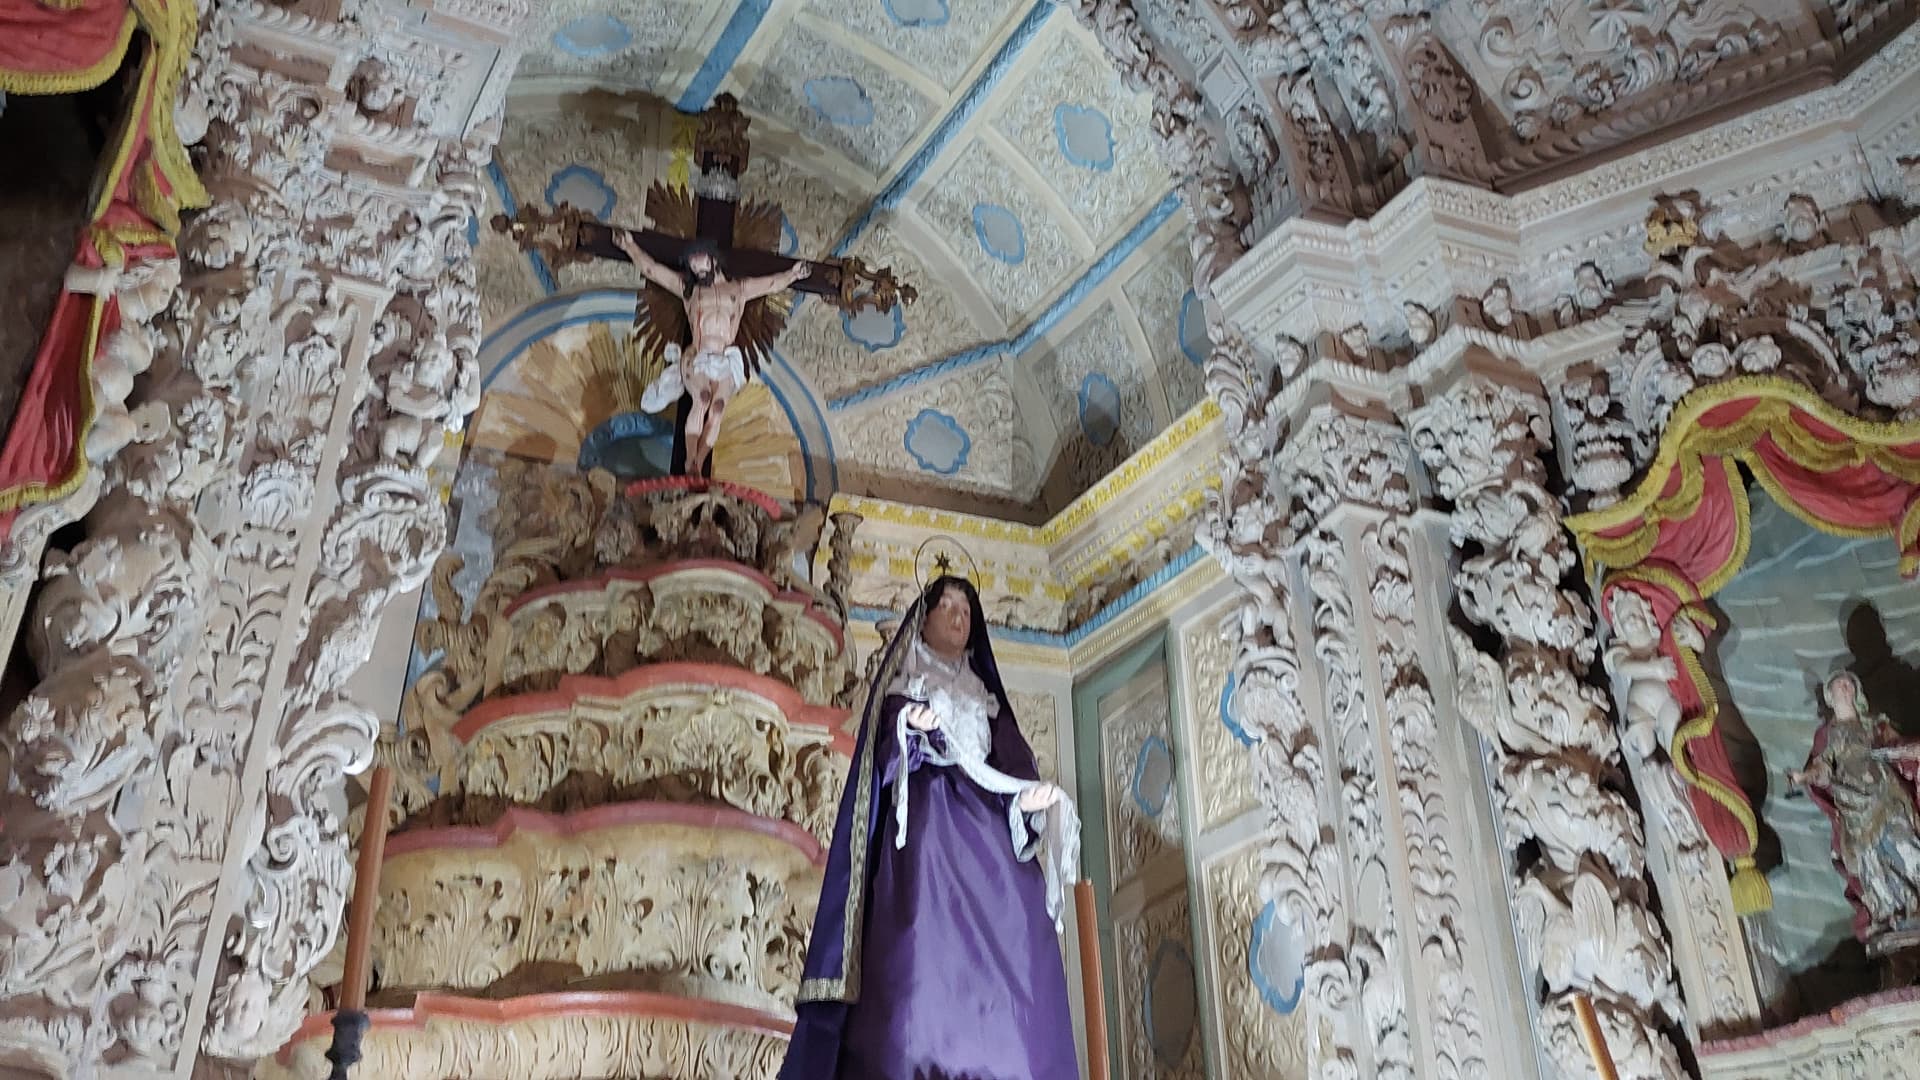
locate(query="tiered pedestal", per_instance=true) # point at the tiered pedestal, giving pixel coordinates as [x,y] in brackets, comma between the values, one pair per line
[616,798]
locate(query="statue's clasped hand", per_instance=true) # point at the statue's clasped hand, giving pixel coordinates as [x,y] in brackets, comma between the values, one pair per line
[921,718]
[1040,797]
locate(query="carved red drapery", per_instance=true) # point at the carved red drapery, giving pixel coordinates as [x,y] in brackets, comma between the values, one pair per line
[1684,533]
[64,46]
[61,47]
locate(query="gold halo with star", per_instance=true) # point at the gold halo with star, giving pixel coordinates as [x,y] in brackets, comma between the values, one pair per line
[942,555]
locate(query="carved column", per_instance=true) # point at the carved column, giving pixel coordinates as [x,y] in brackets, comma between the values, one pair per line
[1246,528]
[1581,897]
[1351,504]
[174,858]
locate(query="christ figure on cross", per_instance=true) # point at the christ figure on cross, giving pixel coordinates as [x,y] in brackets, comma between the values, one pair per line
[711,369]
[714,322]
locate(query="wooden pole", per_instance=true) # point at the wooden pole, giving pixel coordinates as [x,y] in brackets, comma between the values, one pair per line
[350,1019]
[366,891]
[1596,1041]
[1092,987]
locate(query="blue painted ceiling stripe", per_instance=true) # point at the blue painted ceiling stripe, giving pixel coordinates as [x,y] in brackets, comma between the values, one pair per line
[726,52]
[541,271]
[826,432]
[949,127]
[1095,276]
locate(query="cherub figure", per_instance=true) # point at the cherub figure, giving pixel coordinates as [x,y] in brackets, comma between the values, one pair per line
[1653,712]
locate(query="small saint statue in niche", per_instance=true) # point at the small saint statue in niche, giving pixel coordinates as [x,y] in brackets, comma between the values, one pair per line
[1861,774]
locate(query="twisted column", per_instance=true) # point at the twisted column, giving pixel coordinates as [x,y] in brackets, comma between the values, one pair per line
[1582,898]
[174,860]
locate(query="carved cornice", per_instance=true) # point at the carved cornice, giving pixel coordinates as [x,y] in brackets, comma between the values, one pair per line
[1439,241]
[1356,100]
[1052,577]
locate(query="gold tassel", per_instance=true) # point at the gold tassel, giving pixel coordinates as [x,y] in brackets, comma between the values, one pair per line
[1751,893]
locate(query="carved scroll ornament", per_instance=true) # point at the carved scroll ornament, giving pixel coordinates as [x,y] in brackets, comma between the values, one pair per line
[676,728]
[609,625]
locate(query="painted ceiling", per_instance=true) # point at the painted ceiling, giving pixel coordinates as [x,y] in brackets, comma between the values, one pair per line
[986,149]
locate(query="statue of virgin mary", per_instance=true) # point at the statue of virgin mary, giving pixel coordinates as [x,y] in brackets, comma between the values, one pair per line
[934,953]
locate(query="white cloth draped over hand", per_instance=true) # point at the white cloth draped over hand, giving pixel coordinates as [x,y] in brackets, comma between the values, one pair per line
[966,710]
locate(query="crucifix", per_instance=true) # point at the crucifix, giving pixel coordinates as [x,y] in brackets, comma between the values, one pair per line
[714,298]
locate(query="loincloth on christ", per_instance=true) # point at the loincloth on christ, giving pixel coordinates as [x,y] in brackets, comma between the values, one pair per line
[727,368]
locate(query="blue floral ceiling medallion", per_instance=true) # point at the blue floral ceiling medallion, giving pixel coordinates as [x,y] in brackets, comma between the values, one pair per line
[592,35]
[584,188]
[839,100]
[873,330]
[937,442]
[1000,233]
[1085,136]
[1099,408]
[917,14]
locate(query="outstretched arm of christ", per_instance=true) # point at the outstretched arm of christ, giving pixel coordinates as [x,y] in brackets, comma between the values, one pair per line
[754,288]
[651,268]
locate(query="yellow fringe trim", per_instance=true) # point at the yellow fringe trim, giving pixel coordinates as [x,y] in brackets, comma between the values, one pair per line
[1685,445]
[174,26]
[1689,448]
[34,83]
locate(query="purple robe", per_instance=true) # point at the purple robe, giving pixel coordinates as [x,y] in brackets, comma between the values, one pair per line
[954,973]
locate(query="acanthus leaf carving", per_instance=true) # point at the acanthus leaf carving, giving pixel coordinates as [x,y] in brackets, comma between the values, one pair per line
[167,639]
[1555,71]
[1581,902]
[1458,1028]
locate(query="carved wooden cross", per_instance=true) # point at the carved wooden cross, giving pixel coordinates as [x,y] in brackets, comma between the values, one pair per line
[566,235]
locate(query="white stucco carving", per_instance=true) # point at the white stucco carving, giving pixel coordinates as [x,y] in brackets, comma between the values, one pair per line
[177,774]
[1581,906]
